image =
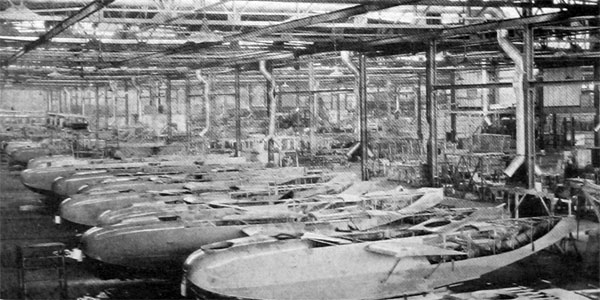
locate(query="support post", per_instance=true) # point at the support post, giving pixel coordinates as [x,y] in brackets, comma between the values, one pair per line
[539,104]
[596,150]
[138,103]
[312,105]
[430,80]
[127,117]
[338,108]
[106,107]
[69,100]
[115,95]
[362,97]
[529,99]
[48,96]
[573,121]
[418,105]
[238,117]
[188,110]
[169,111]
[565,134]
[555,130]
[453,107]
[97,129]
[61,98]
[82,94]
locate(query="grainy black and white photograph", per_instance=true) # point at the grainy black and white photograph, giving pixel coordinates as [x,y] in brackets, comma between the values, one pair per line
[300,149]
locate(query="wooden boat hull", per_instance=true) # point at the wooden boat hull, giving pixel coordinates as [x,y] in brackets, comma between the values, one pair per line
[65,187]
[294,269]
[85,210]
[40,180]
[163,245]
[22,156]
[219,199]
[53,161]
[133,241]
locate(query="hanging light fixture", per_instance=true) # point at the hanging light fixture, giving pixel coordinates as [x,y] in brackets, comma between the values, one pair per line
[205,35]
[55,74]
[336,72]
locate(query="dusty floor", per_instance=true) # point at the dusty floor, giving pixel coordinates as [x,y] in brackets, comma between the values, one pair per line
[24,220]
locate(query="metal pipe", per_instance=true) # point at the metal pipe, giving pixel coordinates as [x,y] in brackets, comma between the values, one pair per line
[347,61]
[206,94]
[262,66]
[517,83]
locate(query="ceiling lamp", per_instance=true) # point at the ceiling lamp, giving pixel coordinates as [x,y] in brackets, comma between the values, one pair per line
[336,72]
[205,34]
[55,74]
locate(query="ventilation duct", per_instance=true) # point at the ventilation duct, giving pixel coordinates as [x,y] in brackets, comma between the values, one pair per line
[271,94]
[514,54]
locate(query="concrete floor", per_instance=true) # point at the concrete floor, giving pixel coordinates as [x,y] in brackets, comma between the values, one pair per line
[24,220]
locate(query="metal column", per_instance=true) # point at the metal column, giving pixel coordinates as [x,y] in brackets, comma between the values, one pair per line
[97,98]
[115,95]
[539,107]
[69,101]
[126,89]
[596,151]
[362,98]
[238,120]
[169,111]
[48,96]
[529,101]
[106,107]
[430,81]
[453,107]
[188,111]
[84,93]
[419,115]
[312,105]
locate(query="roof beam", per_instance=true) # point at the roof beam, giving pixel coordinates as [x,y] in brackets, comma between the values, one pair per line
[60,27]
[476,28]
[311,20]
[471,3]
[286,26]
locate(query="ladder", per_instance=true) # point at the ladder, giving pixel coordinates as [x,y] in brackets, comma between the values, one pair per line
[34,260]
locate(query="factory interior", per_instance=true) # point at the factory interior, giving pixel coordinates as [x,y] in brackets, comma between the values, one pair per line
[299,149]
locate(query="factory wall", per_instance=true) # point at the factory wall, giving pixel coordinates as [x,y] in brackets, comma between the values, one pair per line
[22,99]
